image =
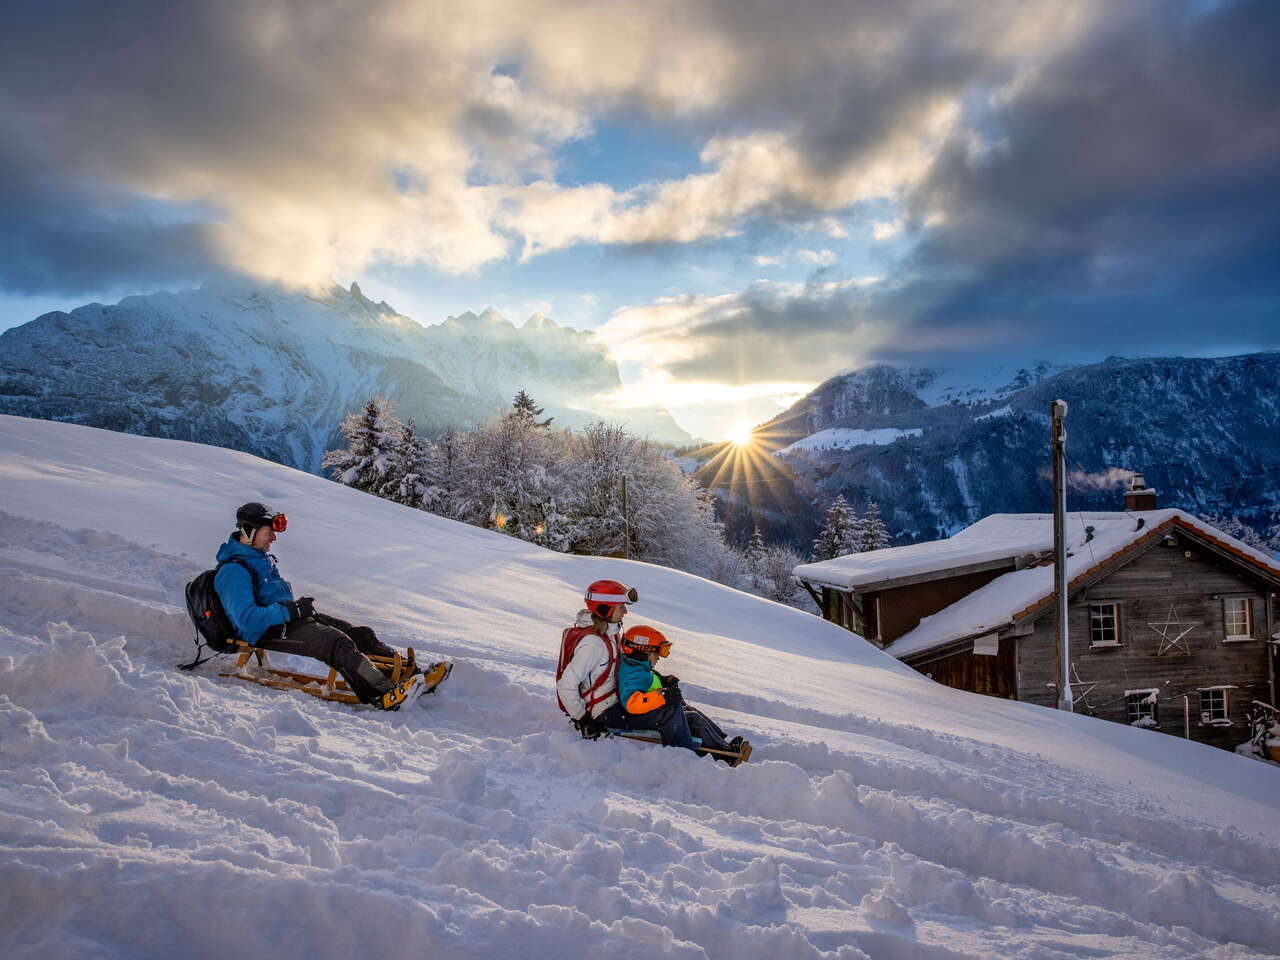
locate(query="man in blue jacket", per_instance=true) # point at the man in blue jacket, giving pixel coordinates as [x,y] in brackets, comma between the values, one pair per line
[266,615]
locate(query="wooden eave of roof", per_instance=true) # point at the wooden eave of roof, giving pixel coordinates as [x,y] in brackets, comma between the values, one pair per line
[949,648]
[1143,543]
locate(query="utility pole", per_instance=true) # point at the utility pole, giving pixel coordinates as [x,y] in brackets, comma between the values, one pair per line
[626,521]
[1059,411]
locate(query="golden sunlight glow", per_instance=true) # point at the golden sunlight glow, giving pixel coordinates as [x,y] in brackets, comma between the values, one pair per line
[741,435]
[746,471]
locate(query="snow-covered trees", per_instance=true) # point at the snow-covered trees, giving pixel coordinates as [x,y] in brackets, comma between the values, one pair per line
[874,535]
[561,489]
[775,568]
[523,406]
[844,532]
[669,518]
[371,441]
[510,460]
[410,476]
[753,557]
[841,532]
[1268,543]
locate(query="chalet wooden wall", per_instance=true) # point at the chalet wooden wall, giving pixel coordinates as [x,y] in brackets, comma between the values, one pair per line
[902,608]
[994,676]
[1144,590]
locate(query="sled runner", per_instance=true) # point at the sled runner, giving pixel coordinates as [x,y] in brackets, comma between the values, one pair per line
[644,736]
[331,687]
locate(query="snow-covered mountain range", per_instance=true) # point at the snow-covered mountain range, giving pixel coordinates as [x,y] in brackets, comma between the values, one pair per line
[938,451]
[272,372]
[147,812]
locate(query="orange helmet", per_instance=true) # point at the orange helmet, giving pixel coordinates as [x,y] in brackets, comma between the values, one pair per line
[604,596]
[645,640]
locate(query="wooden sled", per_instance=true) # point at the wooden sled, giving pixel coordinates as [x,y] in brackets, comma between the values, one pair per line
[644,736]
[330,687]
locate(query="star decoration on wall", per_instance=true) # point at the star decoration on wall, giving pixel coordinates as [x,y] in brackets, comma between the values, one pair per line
[1080,692]
[1173,633]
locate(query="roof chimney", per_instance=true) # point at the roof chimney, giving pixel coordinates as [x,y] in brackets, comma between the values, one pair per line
[1139,496]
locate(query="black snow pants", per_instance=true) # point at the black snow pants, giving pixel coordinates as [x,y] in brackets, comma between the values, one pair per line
[337,643]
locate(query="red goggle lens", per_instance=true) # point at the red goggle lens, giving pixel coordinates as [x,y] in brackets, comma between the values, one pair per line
[279,523]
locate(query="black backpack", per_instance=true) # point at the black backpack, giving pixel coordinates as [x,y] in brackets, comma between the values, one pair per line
[213,627]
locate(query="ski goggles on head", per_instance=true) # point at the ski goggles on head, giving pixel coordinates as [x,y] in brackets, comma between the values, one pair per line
[662,649]
[277,522]
[646,639]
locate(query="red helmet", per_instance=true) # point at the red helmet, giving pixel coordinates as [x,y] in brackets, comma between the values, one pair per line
[604,596]
[645,640]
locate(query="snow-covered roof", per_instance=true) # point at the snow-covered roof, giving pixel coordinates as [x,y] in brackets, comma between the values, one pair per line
[1001,536]
[1017,594]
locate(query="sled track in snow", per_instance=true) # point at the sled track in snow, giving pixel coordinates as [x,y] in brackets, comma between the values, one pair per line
[477,824]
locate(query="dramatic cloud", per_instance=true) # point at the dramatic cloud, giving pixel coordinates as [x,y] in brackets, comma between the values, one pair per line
[1049,171]
[318,137]
[1126,193]
[771,334]
[1119,195]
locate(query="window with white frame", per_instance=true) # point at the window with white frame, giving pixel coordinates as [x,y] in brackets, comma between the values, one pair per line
[1214,702]
[1237,615]
[1104,624]
[1142,707]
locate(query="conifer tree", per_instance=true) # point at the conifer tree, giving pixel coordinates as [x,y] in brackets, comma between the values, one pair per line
[524,407]
[372,436]
[839,532]
[411,472]
[453,495]
[874,533]
[753,556]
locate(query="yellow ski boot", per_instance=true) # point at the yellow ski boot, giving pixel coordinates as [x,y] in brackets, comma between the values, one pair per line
[408,689]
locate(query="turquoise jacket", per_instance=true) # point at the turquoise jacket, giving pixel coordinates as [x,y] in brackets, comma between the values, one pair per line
[639,688]
[251,614]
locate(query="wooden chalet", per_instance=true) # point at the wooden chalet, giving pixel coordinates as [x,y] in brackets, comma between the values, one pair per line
[1173,624]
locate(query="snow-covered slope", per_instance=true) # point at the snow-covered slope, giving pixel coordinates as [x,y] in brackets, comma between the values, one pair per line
[272,372]
[146,812]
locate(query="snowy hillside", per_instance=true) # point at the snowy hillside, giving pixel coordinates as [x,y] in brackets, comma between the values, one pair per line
[272,372]
[145,812]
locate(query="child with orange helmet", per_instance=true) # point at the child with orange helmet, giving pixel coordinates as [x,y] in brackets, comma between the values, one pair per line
[648,700]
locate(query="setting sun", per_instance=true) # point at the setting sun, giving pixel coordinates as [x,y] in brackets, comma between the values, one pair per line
[741,435]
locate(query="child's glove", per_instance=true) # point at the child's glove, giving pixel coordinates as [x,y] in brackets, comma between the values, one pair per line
[669,681]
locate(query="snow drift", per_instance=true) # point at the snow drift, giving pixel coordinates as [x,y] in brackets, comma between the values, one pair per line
[145,812]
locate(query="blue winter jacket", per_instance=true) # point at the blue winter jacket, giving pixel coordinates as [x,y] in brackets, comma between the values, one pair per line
[639,688]
[250,615]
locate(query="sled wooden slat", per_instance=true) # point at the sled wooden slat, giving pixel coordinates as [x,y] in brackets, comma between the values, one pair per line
[337,696]
[329,687]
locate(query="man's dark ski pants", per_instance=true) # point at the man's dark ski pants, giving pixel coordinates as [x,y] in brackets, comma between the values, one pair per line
[337,643]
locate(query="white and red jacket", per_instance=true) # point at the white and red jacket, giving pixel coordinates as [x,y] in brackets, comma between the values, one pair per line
[589,681]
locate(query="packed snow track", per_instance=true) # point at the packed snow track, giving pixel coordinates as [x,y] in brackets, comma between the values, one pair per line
[147,812]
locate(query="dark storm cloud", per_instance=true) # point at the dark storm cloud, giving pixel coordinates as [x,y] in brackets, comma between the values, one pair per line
[61,238]
[1127,195]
